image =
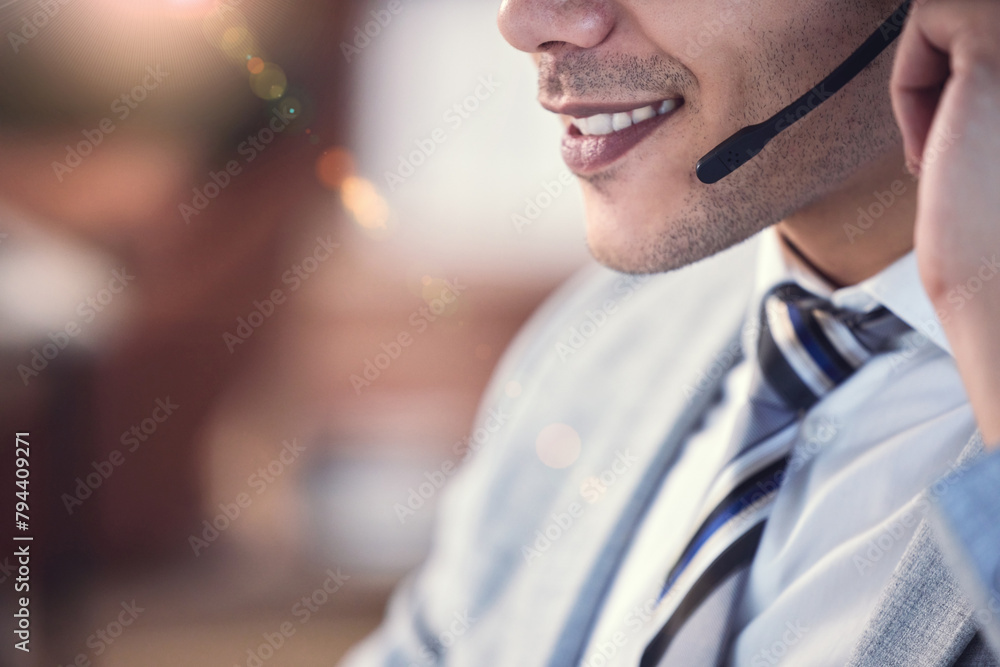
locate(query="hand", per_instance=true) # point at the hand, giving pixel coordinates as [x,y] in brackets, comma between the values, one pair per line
[946,96]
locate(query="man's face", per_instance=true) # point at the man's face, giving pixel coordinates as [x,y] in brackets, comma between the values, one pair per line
[680,76]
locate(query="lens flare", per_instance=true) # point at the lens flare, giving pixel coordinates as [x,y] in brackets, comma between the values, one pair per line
[333,166]
[364,203]
[290,107]
[558,445]
[270,83]
[255,65]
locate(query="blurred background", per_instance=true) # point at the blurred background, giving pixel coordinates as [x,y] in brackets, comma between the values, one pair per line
[258,259]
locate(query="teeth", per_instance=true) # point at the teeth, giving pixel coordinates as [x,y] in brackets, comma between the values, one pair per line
[667,106]
[600,124]
[642,114]
[621,120]
[606,123]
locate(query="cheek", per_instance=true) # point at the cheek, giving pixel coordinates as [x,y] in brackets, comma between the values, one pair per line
[750,58]
[727,95]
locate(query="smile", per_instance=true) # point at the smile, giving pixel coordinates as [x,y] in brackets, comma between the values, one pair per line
[607,123]
[595,141]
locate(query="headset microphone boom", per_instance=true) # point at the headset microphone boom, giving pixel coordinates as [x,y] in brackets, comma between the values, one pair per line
[735,151]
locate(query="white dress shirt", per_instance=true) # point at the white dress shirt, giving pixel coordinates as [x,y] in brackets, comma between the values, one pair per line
[848,505]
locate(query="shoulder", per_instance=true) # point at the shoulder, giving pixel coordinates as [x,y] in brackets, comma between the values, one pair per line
[599,310]
[637,340]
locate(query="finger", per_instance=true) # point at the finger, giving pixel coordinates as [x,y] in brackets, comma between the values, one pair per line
[943,41]
[919,75]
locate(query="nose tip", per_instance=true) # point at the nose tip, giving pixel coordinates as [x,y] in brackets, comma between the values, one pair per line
[534,26]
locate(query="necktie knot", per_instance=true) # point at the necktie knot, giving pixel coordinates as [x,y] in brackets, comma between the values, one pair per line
[808,346]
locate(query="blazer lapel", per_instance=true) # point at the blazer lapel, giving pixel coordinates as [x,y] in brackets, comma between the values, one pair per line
[583,616]
[666,348]
[923,618]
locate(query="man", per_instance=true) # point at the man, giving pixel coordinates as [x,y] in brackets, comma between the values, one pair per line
[768,452]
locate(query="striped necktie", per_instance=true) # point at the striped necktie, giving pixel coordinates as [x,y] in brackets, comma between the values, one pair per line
[805,348]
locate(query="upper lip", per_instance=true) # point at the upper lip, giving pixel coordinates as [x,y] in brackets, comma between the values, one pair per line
[586,110]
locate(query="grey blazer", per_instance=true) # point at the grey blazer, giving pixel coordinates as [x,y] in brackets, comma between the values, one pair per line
[503,586]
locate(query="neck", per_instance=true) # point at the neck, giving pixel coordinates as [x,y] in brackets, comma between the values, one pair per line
[859,230]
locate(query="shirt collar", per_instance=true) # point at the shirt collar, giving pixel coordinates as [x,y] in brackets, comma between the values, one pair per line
[897,287]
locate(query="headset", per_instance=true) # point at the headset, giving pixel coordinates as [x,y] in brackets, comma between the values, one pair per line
[738,149]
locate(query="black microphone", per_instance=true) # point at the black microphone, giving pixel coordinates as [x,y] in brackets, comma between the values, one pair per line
[735,151]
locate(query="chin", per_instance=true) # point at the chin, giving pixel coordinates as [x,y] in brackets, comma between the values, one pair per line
[639,227]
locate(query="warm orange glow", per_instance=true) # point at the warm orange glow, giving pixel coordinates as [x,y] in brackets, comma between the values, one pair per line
[255,65]
[438,295]
[364,203]
[333,166]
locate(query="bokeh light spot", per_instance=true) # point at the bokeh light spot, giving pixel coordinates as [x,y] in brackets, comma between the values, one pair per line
[270,83]
[255,65]
[592,489]
[364,203]
[290,107]
[218,23]
[238,44]
[440,298]
[558,445]
[334,166]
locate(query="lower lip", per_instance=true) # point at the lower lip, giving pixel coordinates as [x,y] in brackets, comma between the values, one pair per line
[589,154]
